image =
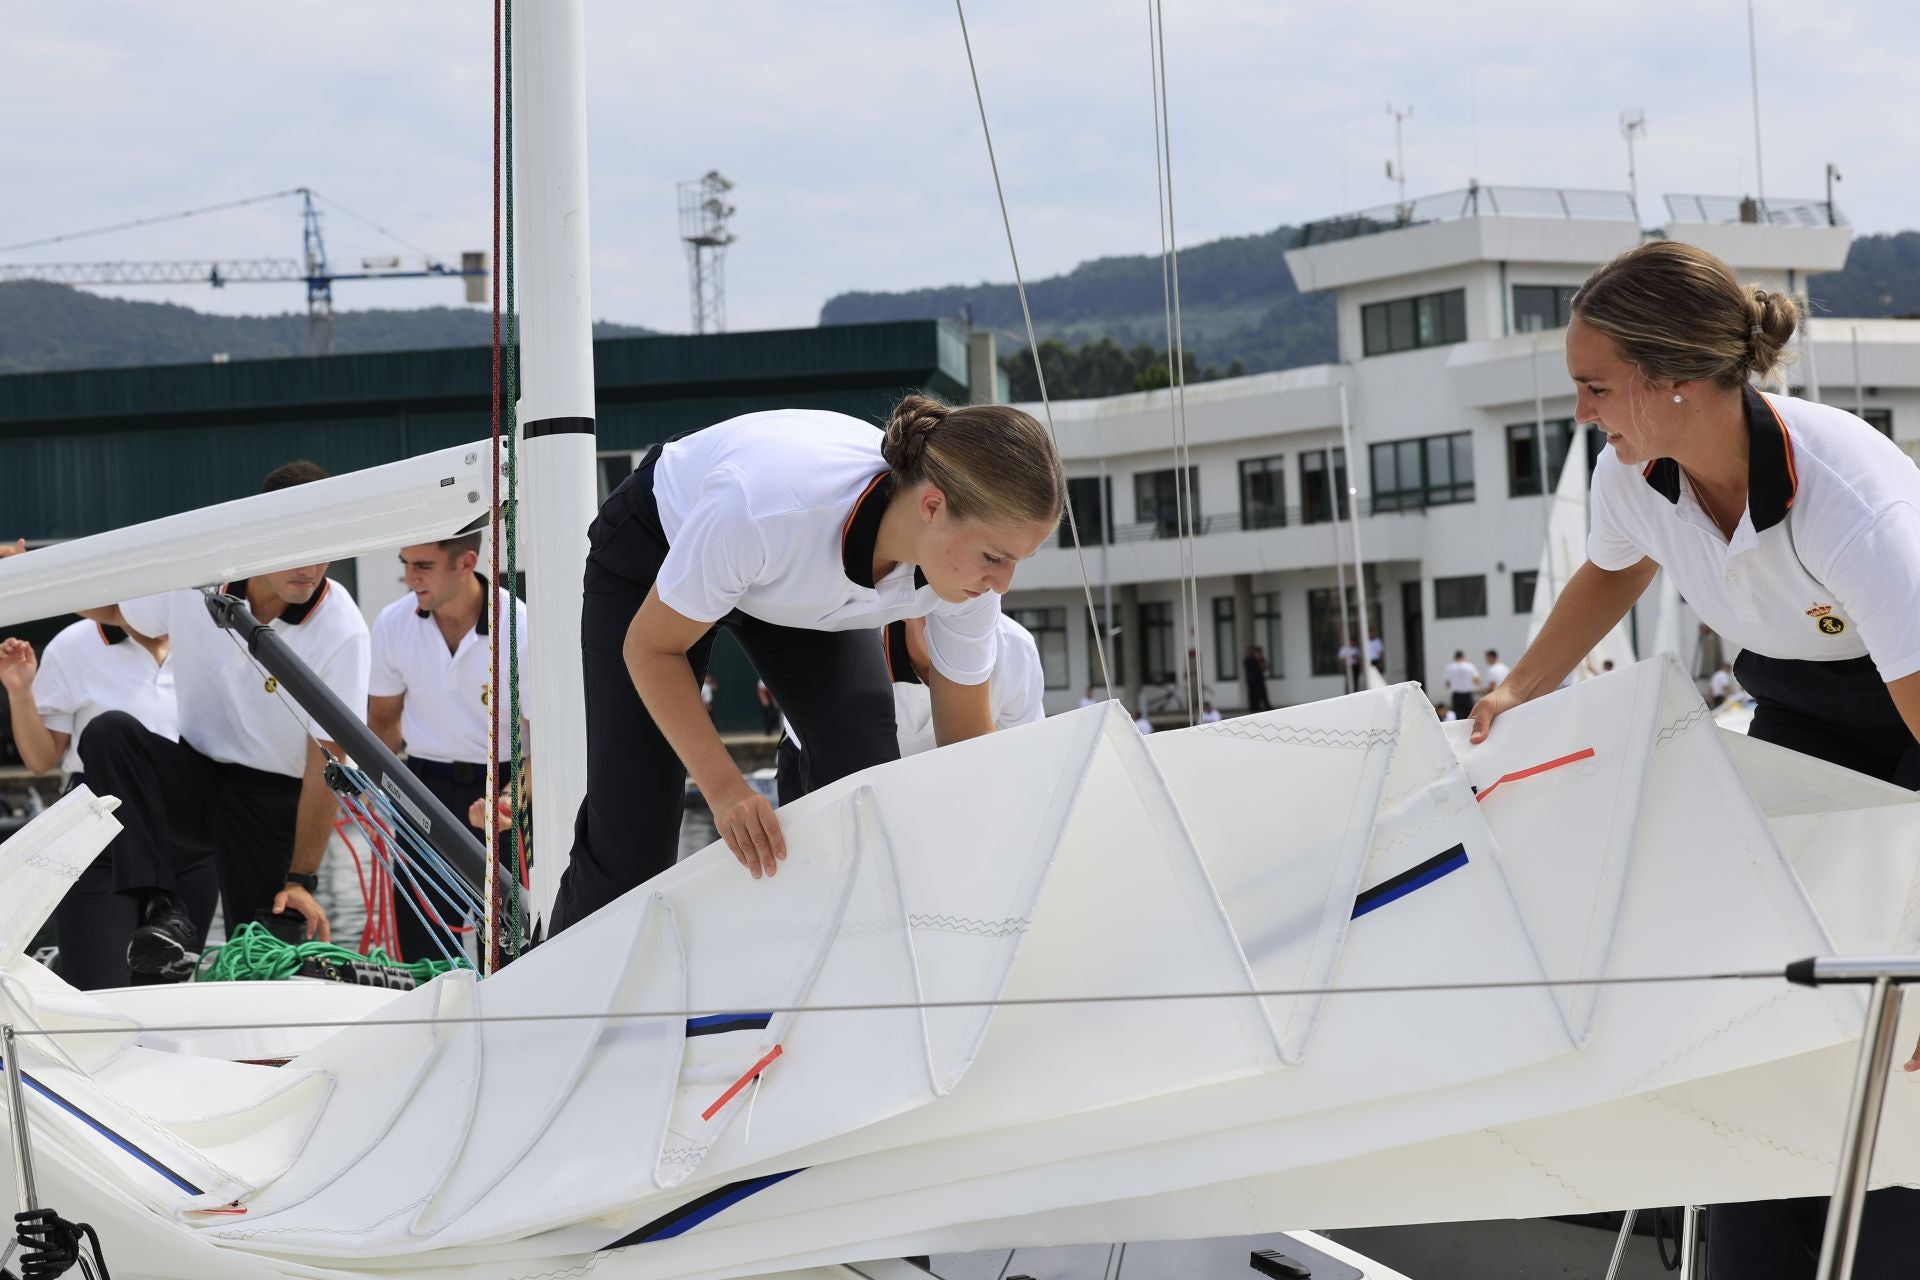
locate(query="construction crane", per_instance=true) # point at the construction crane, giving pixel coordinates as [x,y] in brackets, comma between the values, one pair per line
[311,268]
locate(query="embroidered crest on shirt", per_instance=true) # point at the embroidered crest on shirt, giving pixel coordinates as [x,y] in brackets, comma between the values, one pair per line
[1820,611]
[1833,624]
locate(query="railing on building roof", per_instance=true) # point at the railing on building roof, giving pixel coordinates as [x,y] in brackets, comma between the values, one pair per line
[1775,213]
[1472,202]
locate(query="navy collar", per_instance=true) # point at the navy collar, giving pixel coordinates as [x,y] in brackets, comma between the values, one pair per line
[486,605]
[861,532]
[294,614]
[1772,480]
[110,635]
[899,661]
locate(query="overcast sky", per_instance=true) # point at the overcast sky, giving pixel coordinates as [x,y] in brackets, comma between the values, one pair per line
[850,130]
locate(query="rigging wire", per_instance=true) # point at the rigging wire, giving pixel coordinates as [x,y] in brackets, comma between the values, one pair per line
[489,830]
[147,222]
[1000,1002]
[1183,496]
[428,254]
[1033,347]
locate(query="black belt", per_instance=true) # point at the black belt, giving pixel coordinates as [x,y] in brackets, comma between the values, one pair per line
[460,772]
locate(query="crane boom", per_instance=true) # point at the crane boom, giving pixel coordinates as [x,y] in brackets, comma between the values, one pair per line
[216,272]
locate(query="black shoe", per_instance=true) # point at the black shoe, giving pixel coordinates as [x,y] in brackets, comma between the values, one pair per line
[163,946]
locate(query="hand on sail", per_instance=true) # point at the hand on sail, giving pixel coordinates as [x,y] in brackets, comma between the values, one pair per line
[745,820]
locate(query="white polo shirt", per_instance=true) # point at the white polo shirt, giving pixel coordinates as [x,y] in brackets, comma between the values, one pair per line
[1462,676]
[88,669]
[1016,690]
[1825,563]
[231,710]
[446,716]
[1495,674]
[776,514]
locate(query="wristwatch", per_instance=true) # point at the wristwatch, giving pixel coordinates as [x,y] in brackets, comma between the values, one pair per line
[305,879]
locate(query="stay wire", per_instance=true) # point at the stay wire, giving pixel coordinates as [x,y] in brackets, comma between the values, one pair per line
[1033,348]
[148,222]
[501,15]
[1005,1002]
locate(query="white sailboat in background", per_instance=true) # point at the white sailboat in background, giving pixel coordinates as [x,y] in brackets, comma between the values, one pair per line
[1564,551]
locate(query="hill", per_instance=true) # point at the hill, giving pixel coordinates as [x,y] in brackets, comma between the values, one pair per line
[50,326]
[1238,302]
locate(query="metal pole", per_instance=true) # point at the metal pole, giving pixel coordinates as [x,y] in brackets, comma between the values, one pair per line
[1842,1236]
[1347,673]
[1689,1241]
[17,1120]
[1359,562]
[1753,70]
[556,417]
[1620,1245]
[1106,583]
[1859,392]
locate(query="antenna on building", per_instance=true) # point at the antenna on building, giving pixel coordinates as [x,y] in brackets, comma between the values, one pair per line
[1397,167]
[1833,176]
[1633,124]
[703,226]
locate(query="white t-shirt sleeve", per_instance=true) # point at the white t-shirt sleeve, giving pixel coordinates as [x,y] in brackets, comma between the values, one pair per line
[384,679]
[149,615]
[345,672]
[1609,545]
[52,693]
[716,555]
[1019,680]
[1875,579]
[961,638]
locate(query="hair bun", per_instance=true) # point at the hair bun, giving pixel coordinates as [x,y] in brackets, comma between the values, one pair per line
[914,420]
[1773,317]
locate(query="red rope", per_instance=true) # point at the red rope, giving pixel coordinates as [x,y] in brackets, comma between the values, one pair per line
[1539,768]
[489,949]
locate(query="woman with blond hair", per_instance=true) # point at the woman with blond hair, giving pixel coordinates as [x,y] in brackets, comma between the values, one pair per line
[803,533]
[1793,529]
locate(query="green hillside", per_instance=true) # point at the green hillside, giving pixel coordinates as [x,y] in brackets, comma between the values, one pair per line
[50,326]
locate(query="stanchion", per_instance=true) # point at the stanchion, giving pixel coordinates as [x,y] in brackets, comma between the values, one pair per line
[1887,974]
[17,1122]
[1620,1245]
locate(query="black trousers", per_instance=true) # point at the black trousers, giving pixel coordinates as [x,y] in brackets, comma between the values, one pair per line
[1462,705]
[1840,712]
[789,771]
[833,686]
[1257,699]
[187,824]
[423,914]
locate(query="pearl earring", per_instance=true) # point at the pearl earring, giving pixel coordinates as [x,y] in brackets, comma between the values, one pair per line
[1679,399]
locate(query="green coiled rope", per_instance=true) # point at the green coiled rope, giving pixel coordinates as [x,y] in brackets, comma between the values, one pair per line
[254,954]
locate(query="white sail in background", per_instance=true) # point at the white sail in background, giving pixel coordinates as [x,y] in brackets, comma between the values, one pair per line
[1564,552]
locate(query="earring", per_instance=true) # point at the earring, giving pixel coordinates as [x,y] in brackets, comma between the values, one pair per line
[1679,399]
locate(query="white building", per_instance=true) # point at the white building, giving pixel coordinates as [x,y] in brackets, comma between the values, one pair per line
[1449,310]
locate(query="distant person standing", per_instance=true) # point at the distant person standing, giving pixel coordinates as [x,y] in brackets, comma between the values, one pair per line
[1377,652]
[1462,679]
[432,667]
[1720,687]
[1496,671]
[1141,722]
[1349,656]
[1255,667]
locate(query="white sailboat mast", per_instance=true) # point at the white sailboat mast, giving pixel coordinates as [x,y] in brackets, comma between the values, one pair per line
[556,410]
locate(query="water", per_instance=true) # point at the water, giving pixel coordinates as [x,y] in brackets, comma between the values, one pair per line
[345,904]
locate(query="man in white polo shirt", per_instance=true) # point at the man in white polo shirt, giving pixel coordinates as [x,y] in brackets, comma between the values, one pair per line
[90,668]
[1462,679]
[432,668]
[245,784]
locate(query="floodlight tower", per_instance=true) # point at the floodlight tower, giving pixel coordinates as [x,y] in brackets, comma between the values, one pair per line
[703,226]
[1633,124]
[1397,167]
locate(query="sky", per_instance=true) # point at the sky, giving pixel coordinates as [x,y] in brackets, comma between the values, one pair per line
[850,130]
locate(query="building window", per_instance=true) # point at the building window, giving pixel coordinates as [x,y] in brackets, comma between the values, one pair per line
[1880,420]
[1318,491]
[1266,630]
[1114,640]
[1460,597]
[1226,653]
[1524,478]
[1431,471]
[1406,324]
[1156,642]
[1263,492]
[1324,629]
[1524,581]
[1542,306]
[1156,499]
[1092,508]
[1049,628]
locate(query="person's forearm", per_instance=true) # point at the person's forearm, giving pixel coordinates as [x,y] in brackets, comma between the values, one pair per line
[666,685]
[1591,605]
[960,711]
[314,824]
[388,731]
[40,749]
